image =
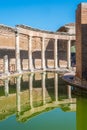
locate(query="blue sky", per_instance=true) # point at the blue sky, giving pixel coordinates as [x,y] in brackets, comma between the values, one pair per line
[42,14]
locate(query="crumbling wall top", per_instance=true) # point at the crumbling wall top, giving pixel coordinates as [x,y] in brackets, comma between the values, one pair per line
[7,28]
[43,31]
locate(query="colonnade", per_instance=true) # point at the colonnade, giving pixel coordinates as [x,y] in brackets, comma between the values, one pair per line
[44,89]
[43,60]
[30,60]
[43,84]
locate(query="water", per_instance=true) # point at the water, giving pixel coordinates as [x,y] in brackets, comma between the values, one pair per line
[41,101]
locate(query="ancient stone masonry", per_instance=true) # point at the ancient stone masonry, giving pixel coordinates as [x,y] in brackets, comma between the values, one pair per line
[81,41]
[28,48]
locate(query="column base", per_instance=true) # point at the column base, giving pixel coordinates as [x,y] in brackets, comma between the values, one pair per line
[31,70]
[69,68]
[57,68]
[19,72]
[44,69]
[7,74]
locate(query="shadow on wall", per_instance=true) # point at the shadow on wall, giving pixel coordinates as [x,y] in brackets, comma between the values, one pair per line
[36,55]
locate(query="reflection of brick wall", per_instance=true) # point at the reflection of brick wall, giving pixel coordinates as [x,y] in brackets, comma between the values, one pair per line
[81,40]
[7,47]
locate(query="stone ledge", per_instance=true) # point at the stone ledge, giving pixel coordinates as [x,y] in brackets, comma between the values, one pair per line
[71,79]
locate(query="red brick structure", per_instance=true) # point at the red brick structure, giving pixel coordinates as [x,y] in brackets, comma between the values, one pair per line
[81,41]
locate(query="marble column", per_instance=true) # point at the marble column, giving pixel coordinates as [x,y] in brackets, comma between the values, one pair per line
[17,52]
[43,53]
[69,91]
[55,55]
[6,65]
[30,61]
[18,89]
[31,89]
[43,87]
[56,86]
[6,83]
[69,54]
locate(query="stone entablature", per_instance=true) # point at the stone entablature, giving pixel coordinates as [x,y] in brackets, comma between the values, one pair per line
[22,29]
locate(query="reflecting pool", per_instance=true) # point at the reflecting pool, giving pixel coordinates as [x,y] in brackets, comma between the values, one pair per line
[41,101]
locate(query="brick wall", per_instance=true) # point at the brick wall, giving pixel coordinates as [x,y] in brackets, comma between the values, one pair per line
[81,40]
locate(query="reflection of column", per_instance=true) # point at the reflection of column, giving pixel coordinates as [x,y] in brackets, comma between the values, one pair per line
[55,55]
[18,86]
[69,91]
[43,87]
[31,89]
[30,62]
[6,64]
[6,83]
[43,53]
[69,54]
[17,51]
[56,86]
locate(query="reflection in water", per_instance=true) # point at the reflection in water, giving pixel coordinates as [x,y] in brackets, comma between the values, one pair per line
[31,89]
[56,86]
[69,91]
[43,93]
[43,87]
[6,83]
[47,93]
[18,87]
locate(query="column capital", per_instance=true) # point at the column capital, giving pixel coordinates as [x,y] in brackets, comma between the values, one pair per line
[56,37]
[31,34]
[43,38]
[30,37]
[70,38]
[16,32]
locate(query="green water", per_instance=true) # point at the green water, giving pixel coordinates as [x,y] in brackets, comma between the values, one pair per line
[52,120]
[41,102]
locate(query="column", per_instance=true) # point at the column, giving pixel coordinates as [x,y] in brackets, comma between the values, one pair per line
[18,87]
[43,87]
[6,83]
[55,55]
[17,51]
[31,89]
[43,53]
[69,91]
[56,86]
[6,64]
[69,54]
[30,62]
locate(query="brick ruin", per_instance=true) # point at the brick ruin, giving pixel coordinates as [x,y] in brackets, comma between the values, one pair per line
[34,48]
[81,41]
